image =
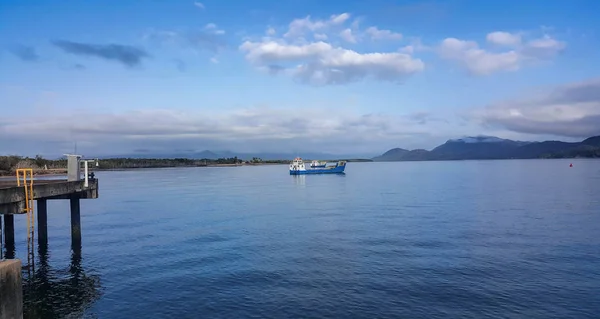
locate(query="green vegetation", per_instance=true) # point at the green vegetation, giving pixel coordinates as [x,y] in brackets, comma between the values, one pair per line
[10,164]
[584,151]
[125,163]
[357,160]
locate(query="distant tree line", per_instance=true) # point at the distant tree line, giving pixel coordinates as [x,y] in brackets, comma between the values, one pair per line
[9,164]
[589,152]
[124,163]
[40,165]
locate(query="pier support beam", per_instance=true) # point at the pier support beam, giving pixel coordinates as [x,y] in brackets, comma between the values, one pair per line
[11,303]
[42,221]
[75,221]
[9,235]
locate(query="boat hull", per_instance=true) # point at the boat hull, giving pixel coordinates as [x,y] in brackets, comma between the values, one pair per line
[333,170]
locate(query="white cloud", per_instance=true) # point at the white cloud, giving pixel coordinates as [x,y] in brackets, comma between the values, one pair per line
[321,63]
[417,45]
[211,27]
[322,29]
[571,110]
[199,5]
[298,27]
[320,36]
[479,61]
[271,31]
[545,47]
[409,49]
[347,36]
[340,18]
[214,60]
[377,34]
[356,23]
[504,38]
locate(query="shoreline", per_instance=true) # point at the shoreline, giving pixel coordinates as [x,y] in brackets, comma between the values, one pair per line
[63,171]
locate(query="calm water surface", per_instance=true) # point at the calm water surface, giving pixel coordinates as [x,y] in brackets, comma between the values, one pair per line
[469,239]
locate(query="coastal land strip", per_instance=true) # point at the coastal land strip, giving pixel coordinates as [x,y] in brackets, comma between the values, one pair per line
[47,167]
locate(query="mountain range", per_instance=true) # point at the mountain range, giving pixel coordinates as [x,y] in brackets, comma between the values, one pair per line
[213,155]
[472,147]
[490,147]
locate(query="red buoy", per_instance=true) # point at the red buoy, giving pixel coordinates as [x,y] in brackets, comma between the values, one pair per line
[571,165]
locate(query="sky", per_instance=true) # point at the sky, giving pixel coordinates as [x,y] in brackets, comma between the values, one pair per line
[341,77]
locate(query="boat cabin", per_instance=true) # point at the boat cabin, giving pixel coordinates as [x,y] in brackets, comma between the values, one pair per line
[297,164]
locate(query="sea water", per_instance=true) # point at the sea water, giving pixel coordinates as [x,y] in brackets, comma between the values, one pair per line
[457,239]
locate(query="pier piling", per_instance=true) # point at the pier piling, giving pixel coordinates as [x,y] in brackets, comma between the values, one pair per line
[75,220]
[9,236]
[42,221]
[11,292]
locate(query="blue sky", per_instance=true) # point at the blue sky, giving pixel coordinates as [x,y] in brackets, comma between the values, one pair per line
[351,77]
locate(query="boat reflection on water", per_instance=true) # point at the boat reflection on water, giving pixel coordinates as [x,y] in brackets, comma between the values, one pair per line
[299,179]
[58,293]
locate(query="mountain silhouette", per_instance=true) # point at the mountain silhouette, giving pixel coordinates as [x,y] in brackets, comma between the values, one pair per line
[491,147]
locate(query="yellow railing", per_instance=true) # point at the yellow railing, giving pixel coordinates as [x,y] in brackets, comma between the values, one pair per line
[27,181]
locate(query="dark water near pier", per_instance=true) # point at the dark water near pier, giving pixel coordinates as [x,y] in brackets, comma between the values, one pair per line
[471,239]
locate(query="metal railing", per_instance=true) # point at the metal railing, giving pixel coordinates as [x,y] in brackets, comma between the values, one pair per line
[27,176]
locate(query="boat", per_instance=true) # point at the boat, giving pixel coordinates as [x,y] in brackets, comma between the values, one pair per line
[297,167]
[317,164]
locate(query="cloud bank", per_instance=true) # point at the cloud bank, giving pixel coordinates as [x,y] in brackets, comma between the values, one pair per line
[570,110]
[252,129]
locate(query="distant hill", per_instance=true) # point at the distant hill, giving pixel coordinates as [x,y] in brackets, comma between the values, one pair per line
[490,147]
[213,155]
[592,141]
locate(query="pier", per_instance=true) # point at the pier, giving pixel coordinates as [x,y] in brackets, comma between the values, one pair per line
[13,200]
[25,193]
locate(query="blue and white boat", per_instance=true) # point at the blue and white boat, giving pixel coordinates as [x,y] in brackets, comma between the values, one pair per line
[297,167]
